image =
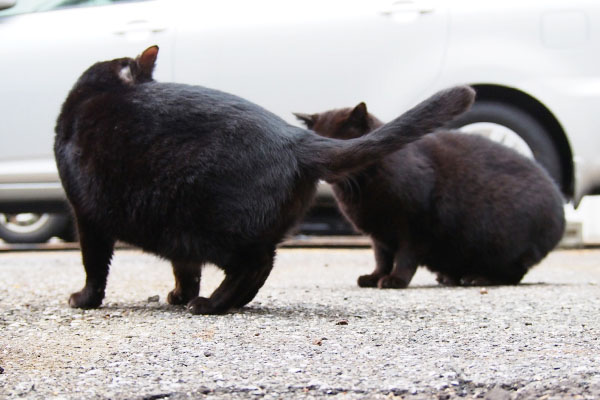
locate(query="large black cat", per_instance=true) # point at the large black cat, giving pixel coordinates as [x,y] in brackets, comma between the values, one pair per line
[472,210]
[196,175]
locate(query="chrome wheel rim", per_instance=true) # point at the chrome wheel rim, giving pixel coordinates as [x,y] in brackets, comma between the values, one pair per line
[500,134]
[24,222]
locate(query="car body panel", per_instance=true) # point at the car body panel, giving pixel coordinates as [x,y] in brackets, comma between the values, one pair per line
[549,52]
[44,63]
[302,57]
[280,59]
[311,55]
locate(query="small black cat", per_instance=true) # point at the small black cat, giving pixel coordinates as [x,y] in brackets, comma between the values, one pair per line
[472,210]
[195,175]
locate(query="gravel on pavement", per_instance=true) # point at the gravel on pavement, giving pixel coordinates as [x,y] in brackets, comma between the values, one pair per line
[310,333]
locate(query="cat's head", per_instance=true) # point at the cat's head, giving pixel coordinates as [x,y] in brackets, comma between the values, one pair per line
[343,123]
[121,72]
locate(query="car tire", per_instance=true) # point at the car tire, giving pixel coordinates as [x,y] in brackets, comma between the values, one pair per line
[524,125]
[38,228]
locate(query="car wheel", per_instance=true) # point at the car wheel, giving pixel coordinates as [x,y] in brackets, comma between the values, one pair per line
[32,228]
[514,128]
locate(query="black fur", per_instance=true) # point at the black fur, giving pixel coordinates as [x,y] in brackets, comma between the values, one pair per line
[196,175]
[468,208]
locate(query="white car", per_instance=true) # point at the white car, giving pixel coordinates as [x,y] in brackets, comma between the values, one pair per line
[535,66]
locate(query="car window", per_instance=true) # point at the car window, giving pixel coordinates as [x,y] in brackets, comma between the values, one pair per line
[22,7]
[31,6]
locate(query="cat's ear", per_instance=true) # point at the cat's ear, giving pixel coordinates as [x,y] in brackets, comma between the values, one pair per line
[359,114]
[146,62]
[308,119]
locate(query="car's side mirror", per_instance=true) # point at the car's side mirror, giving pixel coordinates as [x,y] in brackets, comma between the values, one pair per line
[7,4]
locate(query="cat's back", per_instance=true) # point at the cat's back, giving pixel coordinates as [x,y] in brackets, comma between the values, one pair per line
[177,124]
[195,111]
[483,185]
[201,105]
[461,157]
[160,154]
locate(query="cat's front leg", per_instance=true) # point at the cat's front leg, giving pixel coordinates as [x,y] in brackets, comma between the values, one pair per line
[187,282]
[384,259]
[242,282]
[96,251]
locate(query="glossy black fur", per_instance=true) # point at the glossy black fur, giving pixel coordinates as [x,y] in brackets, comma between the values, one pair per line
[468,208]
[199,176]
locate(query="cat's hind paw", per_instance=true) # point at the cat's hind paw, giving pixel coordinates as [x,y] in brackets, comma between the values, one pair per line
[177,298]
[86,298]
[368,280]
[473,280]
[391,282]
[203,305]
[447,280]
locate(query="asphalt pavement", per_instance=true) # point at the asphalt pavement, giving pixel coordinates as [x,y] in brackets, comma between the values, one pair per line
[310,333]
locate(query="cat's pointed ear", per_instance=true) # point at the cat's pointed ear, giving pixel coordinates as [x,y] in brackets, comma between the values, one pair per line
[359,114]
[146,62]
[308,119]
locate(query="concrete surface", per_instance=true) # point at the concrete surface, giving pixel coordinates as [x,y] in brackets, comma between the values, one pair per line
[310,333]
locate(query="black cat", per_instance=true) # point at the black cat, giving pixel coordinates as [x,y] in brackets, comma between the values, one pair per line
[472,210]
[196,175]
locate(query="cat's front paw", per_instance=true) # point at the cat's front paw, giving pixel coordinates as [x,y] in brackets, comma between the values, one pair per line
[368,280]
[203,305]
[86,298]
[391,282]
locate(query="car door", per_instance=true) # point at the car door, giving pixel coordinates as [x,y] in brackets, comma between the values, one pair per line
[308,56]
[43,54]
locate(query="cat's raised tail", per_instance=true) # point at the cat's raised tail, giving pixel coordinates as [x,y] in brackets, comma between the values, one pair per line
[336,158]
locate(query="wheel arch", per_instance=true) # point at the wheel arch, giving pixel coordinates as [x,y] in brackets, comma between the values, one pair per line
[544,116]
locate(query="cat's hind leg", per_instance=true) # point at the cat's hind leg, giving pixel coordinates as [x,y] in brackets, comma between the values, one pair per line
[405,266]
[96,251]
[242,282]
[259,279]
[187,282]
[384,262]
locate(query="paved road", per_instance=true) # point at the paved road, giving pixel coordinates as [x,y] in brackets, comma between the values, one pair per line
[310,333]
